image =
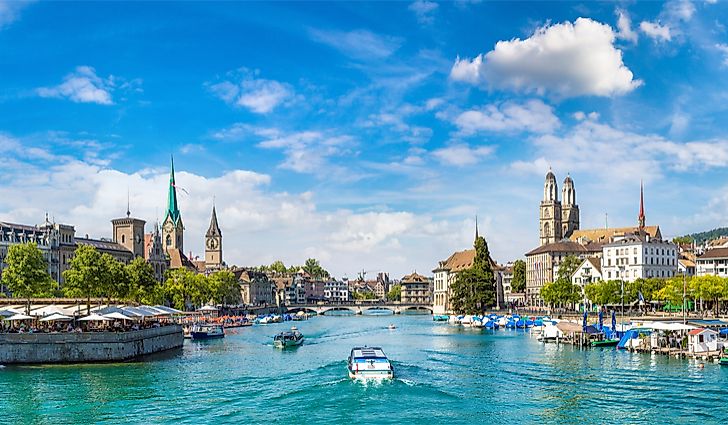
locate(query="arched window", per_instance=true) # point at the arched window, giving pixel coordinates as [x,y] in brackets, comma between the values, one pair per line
[123,238]
[169,240]
[546,230]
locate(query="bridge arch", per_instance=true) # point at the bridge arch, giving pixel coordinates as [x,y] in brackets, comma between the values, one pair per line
[325,311]
[308,310]
[422,309]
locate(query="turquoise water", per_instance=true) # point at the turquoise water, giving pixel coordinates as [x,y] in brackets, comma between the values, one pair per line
[445,374]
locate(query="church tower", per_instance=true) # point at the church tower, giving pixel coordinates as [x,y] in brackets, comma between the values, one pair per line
[550,215]
[129,233]
[172,227]
[213,243]
[641,216]
[569,209]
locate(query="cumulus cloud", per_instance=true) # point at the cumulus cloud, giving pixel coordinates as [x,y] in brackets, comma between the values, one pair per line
[656,31]
[624,24]
[461,155]
[532,116]
[82,86]
[618,155]
[723,50]
[565,59]
[358,44]
[424,11]
[254,218]
[259,95]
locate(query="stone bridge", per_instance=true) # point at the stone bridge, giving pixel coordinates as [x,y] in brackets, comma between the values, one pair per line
[363,308]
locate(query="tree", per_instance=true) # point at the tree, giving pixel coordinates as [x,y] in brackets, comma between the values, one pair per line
[518,284]
[474,287]
[142,284]
[85,277]
[278,267]
[711,288]
[604,292]
[395,293]
[224,288]
[184,287]
[314,269]
[26,274]
[364,295]
[682,240]
[561,292]
[567,267]
[114,280]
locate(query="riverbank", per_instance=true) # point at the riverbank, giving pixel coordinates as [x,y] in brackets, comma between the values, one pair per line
[87,347]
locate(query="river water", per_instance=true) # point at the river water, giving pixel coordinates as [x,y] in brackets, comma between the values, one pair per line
[444,374]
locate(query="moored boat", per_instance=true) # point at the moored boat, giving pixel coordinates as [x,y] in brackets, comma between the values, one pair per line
[288,339]
[605,343]
[207,331]
[369,363]
[440,318]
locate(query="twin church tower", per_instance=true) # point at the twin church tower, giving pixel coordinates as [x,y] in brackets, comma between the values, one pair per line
[558,219]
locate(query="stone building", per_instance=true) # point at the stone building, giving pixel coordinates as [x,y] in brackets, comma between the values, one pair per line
[172,226]
[255,287]
[415,289]
[557,220]
[154,253]
[213,244]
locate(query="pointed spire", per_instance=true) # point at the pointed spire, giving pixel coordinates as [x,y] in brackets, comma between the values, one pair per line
[476,227]
[172,208]
[128,212]
[641,216]
[214,229]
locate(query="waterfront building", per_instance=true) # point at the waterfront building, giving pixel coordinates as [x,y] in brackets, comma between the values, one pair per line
[713,262]
[154,253]
[105,246]
[295,293]
[337,290]
[639,256]
[589,271]
[255,287]
[445,276]
[129,233]
[415,289]
[13,234]
[542,265]
[685,267]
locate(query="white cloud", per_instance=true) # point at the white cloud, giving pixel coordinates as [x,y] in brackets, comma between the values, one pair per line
[358,44]
[617,155]
[82,86]
[255,94]
[10,11]
[680,10]
[565,59]
[461,155]
[656,31]
[624,24]
[723,50]
[424,11]
[532,116]
[254,218]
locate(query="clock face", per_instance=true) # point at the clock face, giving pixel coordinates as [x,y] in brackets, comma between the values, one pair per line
[211,243]
[138,238]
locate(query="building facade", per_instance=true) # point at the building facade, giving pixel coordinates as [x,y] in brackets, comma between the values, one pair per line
[336,290]
[213,244]
[542,265]
[415,289]
[557,221]
[713,262]
[172,226]
[639,256]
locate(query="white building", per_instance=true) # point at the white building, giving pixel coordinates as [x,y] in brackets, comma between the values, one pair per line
[713,262]
[589,271]
[445,275]
[639,256]
[335,290]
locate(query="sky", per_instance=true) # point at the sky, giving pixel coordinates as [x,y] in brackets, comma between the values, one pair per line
[366,135]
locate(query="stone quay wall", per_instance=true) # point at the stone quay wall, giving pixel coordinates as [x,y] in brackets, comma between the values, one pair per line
[87,347]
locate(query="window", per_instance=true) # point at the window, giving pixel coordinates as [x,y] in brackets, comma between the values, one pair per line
[123,238]
[169,240]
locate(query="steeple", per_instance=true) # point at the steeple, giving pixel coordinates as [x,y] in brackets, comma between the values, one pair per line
[214,229]
[172,208]
[476,227]
[641,217]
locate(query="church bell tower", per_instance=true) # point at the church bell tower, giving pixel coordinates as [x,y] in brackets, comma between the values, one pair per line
[550,212]
[172,227]
[213,243]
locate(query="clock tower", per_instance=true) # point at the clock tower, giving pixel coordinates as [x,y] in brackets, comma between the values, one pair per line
[213,243]
[129,233]
[172,227]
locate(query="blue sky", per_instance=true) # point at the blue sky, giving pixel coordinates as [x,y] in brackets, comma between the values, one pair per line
[365,134]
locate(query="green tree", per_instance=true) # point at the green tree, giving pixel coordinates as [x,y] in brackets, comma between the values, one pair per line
[114,280]
[682,240]
[85,277]
[474,288]
[395,293]
[561,292]
[604,292]
[143,286]
[184,288]
[314,269]
[26,274]
[278,267]
[518,284]
[364,295]
[225,288]
[567,267]
[711,288]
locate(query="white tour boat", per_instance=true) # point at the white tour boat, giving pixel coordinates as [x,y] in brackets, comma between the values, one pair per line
[207,331]
[369,363]
[288,339]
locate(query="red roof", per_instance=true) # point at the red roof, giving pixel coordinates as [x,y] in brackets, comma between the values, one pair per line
[698,331]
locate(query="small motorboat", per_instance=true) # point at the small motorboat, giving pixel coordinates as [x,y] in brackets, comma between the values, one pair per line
[369,363]
[606,343]
[391,327]
[207,331]
[440,318]
[288,339]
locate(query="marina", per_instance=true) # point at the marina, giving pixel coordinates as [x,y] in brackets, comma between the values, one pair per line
[453,374]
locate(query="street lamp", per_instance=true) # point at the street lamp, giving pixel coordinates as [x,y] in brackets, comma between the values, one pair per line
[621,279]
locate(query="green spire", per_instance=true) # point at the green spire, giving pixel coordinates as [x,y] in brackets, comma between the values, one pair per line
[172,209]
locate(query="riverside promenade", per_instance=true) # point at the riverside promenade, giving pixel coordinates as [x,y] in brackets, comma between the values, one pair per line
[87,347]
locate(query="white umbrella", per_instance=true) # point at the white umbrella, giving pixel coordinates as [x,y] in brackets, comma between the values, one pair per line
[18,317]
[207,308]
[117,315]
[56,317]
[94,318]
[47,311]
